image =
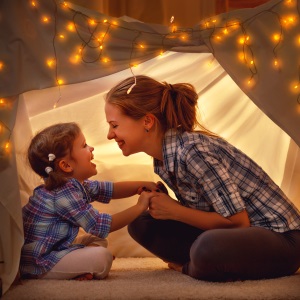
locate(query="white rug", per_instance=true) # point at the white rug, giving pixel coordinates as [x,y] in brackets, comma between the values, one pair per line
[150,278]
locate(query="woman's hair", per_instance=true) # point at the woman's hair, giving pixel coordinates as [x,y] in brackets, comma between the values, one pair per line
[58,140]
[174,106]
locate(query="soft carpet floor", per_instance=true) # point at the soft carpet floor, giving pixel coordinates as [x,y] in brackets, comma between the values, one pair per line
[150,278]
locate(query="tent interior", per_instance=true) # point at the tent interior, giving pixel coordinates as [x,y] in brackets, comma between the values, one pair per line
[252,101]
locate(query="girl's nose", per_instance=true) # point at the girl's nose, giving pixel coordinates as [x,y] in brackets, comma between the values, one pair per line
[91,148]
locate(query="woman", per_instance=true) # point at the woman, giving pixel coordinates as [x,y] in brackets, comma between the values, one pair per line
[231,221]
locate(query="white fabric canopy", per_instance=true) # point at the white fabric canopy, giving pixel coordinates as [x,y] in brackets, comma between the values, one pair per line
[224,106]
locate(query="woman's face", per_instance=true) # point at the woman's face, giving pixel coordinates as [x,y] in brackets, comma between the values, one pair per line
[127,132]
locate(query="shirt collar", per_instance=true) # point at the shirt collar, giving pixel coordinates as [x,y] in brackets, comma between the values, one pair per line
[168,150]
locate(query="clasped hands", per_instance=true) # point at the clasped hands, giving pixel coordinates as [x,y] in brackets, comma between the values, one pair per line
[160,204]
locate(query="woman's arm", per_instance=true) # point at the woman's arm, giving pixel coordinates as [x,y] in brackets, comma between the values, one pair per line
[164,207]
[126,189]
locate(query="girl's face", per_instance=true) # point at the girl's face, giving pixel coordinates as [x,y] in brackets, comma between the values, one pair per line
[130,134]
[81,158]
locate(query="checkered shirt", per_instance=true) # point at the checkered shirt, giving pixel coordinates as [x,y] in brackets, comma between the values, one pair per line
[52,219]
[209,174]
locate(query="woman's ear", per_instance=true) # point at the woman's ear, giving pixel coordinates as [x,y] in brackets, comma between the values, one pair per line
[149,121]
[64,166]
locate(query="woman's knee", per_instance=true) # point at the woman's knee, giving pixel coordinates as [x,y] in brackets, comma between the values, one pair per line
[205,248]
[206,255]
[139,228]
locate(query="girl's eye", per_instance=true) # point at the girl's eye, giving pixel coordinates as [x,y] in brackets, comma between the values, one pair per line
[85,145]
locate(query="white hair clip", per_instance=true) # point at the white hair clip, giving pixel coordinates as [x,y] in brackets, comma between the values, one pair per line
[48,170]
[132,86]
[51,157]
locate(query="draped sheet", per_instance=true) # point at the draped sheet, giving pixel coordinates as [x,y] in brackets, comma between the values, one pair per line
[261,119]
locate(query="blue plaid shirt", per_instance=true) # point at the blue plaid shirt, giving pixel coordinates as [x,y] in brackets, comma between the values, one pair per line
[209,174]
[52,219]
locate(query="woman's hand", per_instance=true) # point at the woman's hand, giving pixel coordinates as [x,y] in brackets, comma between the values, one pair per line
[163,206]
[152,186]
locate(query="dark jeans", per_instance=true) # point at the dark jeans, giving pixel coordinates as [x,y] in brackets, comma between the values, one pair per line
[220,254]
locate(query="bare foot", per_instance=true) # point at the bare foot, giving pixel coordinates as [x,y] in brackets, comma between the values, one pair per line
[175,267]
[83,277]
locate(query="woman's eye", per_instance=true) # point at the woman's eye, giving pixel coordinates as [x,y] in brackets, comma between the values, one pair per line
[114,126]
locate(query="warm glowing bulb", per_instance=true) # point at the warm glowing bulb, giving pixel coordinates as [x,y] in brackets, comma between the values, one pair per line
[105,21]
[105,59]
[241,56]
[7,145]
[225,31]
[2,101]
[242,40]
[296,86]
[61,36]
[60,81]
[276,37]
[50,62]
[1,65]
[45,19]
[75,58]
[101,47]
[71,27]
[33,3]
[251,62]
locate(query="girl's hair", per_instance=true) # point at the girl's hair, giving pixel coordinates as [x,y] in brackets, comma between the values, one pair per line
[174,106]
[58,140]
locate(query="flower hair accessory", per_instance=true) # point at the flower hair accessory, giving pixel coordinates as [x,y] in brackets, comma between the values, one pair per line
[48,170]
[51,156]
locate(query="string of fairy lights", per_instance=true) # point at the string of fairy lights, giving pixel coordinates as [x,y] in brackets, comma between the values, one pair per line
[98,37]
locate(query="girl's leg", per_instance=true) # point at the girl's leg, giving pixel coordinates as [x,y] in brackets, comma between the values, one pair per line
[94,260]
[167,239]
[90,240]
[243,253]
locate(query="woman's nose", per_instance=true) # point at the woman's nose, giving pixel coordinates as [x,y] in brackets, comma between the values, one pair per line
[110,134]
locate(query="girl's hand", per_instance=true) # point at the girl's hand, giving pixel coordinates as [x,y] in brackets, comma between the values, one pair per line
[144,200]
[163,207]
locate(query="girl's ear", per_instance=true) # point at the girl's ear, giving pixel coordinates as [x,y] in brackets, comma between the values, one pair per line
[149,121]
[64,166]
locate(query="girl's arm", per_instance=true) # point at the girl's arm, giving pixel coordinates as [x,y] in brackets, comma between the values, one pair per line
[128,215]
[126,189]
[164,207]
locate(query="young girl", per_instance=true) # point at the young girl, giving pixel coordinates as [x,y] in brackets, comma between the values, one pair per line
[62,205]
[231,221]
